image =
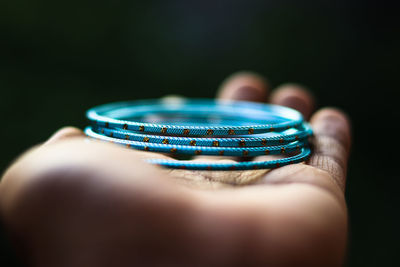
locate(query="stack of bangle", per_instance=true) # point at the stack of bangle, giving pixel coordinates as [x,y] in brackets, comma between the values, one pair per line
[204,127]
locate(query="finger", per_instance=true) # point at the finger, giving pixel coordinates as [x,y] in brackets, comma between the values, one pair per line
[247,86]
[242,85]
[331,143]
[294,96]
[63,134]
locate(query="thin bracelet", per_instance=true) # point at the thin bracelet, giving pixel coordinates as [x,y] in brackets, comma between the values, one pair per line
[243,141]
[202,150]
[204,127]
[115,116]
[236,166]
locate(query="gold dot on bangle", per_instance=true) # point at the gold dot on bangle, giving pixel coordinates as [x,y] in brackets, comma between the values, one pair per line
[125,126]
[242,143]
[164,130]
[251,131]
[221,153]
[146,148]
[266,152]
[215,143]
[264,141]
[245,152]
[165,141]
[231,132]
[210,132]
[193,142]
[146,139]
[283,150]
[141,128]
[186,131]
[197,152]
[173,150]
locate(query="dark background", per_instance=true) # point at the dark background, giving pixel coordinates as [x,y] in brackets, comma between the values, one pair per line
[58,58]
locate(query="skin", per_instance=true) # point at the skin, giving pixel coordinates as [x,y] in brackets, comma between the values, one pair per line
[75,202]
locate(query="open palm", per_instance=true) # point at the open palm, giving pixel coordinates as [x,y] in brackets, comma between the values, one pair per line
[75,202]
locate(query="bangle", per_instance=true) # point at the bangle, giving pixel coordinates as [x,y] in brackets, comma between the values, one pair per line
[242,114]
[254,141]
[245,165]
[204,127]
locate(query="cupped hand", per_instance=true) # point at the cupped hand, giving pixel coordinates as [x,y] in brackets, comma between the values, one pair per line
[79,202]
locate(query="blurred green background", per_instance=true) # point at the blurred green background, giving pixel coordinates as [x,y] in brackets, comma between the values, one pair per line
[58,58]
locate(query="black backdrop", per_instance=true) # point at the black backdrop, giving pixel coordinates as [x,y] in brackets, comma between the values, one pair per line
[58,58]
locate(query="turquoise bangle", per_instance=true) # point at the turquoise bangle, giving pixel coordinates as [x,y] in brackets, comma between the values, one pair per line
[237,166]
[243,141]
[204,127]
[117,115]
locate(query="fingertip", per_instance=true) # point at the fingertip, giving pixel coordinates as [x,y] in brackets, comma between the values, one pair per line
[65,133]
[333,122]
[294,96]
[244,85]
[332,111]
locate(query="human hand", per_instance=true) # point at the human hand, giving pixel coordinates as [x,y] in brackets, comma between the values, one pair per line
[75,202]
